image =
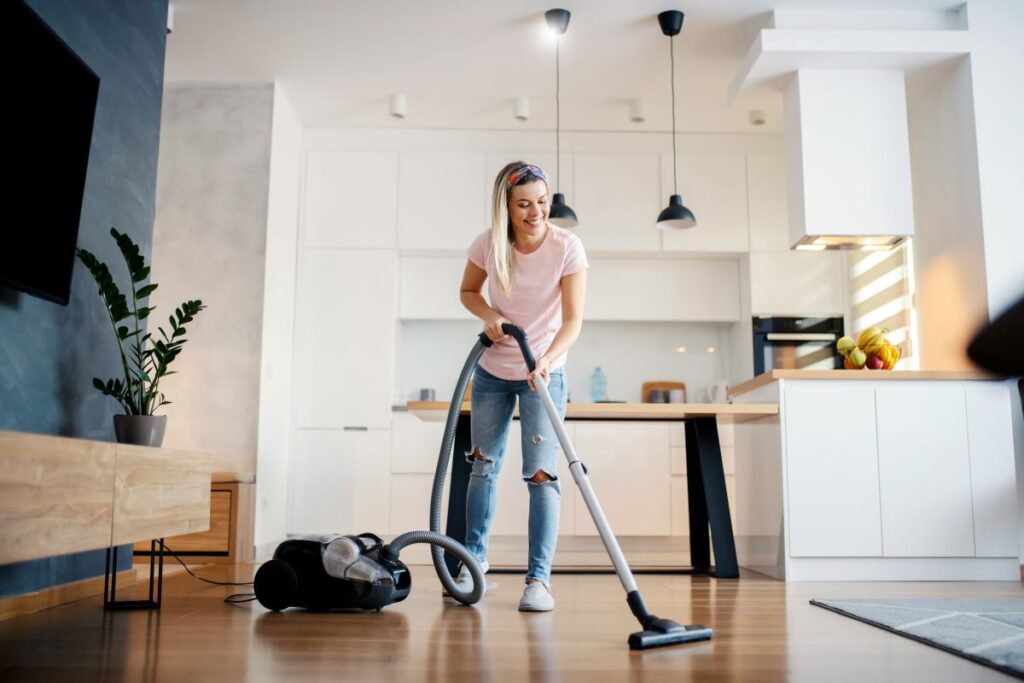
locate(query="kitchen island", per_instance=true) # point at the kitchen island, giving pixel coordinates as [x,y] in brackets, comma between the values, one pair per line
[872,475]
[707,498]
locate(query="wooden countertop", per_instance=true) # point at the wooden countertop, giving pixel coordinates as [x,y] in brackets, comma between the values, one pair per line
[775,375]
[437,411]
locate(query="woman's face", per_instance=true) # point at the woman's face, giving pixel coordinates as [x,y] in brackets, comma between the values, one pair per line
[528,209]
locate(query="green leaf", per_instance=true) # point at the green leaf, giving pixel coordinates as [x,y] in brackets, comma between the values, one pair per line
[122,332]
[143,313]
[143,292]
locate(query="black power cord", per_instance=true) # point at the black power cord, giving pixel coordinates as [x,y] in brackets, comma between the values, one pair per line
[233,599]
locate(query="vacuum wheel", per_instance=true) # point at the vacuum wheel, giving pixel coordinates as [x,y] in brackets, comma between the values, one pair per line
[275,585]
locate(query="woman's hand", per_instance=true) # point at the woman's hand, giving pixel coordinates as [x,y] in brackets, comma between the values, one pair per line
[543,368]
[492,327]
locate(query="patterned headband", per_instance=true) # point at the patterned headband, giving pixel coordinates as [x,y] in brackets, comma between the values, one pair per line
[522,172]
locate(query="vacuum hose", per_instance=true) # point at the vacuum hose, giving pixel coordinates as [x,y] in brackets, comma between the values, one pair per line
[438,541]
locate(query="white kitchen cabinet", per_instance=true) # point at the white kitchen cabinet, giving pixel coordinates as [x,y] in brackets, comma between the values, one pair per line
[512,514]
[766,194]
[429,288]
[628,465]
[796,283]
[350,199]
[345,338]
[410,503]
[415,444]
[340,481]
[714,188]
[992,471]
[617,201]
[441,199]
[832,470]
[679,290]
[924,472]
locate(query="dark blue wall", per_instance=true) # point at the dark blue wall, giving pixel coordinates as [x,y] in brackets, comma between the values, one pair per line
[50,353]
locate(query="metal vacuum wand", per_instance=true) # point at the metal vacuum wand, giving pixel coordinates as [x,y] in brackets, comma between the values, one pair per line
[657,632]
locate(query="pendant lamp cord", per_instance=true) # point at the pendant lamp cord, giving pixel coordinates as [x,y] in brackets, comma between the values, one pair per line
[672,58]
[558,146]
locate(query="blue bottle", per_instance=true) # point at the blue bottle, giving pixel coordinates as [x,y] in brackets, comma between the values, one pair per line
[598,385]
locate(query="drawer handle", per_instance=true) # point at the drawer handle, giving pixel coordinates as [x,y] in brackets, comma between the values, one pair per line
[355,429]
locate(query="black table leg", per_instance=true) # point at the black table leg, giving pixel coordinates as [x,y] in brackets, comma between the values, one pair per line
[708,501]
[461,469]
[156,580]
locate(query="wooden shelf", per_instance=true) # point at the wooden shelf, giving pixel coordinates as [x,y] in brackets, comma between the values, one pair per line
[61,495]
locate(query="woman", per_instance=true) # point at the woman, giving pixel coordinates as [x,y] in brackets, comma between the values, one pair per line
[537,274]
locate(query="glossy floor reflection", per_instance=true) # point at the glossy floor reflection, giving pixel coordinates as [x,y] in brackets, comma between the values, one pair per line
[765,631]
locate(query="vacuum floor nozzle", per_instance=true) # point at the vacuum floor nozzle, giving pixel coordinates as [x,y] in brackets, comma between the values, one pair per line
[664,632]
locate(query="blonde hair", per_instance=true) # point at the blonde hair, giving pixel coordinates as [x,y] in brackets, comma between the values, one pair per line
[502,234]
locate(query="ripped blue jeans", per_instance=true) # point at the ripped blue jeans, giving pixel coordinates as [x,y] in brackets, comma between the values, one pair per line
[493,401]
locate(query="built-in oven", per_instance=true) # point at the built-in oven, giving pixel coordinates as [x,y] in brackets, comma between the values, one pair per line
[796,343]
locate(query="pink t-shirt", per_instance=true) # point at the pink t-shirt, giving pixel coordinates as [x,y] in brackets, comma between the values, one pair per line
[536,300]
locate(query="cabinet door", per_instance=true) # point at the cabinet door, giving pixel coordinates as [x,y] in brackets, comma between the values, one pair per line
[832,470]
[345,338]
[924,471]
[714,188]
[340,482]
[441,199]
[617,201]
[429,288]
[796,283]
[350,199]
[513,508]
[994,494]
[629,470]
[415,444]
[766,194]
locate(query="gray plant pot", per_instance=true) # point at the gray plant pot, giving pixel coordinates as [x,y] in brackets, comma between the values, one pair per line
[140,430]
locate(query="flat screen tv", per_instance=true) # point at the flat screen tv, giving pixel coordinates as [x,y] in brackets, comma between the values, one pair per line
[50,96]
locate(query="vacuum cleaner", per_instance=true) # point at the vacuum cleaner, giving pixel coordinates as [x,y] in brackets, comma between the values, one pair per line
[362,572]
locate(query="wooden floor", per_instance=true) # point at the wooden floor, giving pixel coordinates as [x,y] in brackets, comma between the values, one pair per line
[765,631]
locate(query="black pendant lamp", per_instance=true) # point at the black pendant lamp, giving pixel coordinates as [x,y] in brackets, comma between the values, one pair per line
[675,216]
[560,214]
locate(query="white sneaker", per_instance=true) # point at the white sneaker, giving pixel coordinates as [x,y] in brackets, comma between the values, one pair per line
[464,581]
[537,598]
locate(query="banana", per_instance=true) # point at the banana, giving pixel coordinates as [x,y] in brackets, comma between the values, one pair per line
[867,335]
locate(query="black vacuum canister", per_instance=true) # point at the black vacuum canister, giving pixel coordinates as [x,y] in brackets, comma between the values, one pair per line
[331,573]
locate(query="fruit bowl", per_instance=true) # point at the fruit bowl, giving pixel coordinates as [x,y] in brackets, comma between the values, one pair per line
[870,350]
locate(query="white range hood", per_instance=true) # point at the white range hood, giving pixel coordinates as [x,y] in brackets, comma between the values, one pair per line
[845,123]
[847,160]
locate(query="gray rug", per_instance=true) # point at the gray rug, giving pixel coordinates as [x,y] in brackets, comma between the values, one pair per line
[989,631]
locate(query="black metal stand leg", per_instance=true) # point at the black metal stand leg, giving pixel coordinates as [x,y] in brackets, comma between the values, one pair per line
[156,580]
[709,500]
[461,469]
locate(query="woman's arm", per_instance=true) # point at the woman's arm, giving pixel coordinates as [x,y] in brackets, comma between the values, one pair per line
[470,295]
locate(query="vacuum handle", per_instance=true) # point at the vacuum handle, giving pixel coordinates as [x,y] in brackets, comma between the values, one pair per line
[520,336]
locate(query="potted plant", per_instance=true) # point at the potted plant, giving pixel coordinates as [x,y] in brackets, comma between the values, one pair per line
[145,358]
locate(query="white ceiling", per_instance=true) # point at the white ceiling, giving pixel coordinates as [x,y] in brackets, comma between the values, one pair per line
[461,63]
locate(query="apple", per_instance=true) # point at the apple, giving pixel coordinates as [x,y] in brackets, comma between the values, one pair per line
[874,363]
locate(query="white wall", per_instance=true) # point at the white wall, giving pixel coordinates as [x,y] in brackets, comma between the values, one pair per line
[949,253]
[275,400]
[997,62]
[431,354]
[209,243]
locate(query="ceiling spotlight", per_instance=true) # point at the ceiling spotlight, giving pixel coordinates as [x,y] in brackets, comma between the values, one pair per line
[636,111]
[680,349]
[398,106]
[710,349]
[757,117]
[523,108]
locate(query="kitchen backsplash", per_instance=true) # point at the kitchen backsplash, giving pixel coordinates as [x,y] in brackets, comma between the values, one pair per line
[431,354]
